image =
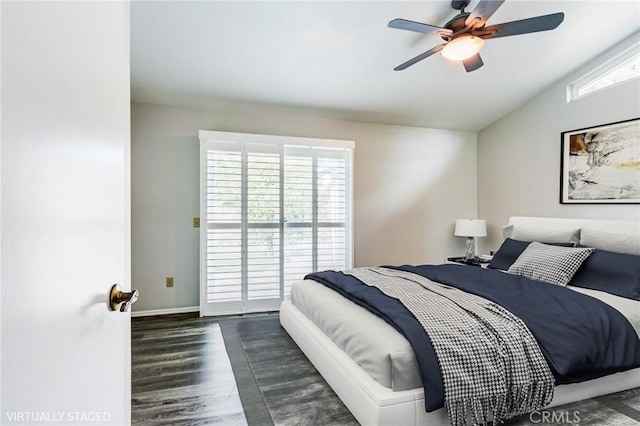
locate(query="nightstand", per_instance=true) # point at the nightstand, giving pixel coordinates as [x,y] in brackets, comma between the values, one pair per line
[474,262]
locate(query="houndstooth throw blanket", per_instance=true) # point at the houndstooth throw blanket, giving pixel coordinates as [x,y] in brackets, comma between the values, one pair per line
[492,367]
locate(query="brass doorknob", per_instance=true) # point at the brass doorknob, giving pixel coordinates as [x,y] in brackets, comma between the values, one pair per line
[119,300]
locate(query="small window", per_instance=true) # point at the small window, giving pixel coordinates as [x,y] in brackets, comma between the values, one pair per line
[621,68]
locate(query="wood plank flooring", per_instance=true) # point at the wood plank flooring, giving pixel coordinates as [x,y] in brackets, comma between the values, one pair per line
[182,375]
[278,385]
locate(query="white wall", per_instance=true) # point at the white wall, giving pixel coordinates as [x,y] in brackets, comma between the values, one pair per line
[519,155]
[410,184]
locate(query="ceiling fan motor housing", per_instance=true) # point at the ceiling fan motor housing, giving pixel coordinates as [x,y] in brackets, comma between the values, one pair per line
[458,23]
[459,4]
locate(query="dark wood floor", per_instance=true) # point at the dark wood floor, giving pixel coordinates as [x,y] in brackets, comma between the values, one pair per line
[181,373]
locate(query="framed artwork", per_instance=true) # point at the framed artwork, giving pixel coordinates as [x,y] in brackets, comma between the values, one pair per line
[601,165]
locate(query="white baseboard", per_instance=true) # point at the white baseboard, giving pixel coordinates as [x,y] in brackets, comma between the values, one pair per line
[165,311]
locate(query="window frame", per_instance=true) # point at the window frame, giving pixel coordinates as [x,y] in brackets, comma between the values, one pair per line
[573,89]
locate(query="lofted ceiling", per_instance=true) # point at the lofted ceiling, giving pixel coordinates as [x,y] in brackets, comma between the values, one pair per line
[336,58]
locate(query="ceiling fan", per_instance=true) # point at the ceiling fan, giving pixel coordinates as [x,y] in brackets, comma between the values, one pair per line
[464,35]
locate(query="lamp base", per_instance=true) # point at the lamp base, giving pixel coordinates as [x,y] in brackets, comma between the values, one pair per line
[471,249]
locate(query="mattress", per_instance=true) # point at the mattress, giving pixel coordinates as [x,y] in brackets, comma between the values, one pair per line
[376,346]
[372,343]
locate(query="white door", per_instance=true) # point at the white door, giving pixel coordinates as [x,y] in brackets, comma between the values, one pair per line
[65,212]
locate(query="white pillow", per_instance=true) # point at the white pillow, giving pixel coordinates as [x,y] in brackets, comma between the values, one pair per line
[550,264]
[545,235]
[610,241]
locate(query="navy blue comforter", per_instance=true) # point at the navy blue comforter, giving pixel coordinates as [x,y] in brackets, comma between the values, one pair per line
[581,337]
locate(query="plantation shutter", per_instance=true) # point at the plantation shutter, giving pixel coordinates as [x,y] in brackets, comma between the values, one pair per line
[315,210]
[332,212]
[298,216]
[274,213]
[263,223]
[224,224]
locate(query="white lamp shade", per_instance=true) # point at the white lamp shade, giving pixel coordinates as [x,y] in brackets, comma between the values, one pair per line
[463,47]
[471,228]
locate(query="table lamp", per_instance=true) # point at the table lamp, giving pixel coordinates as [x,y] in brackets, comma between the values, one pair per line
[471,228]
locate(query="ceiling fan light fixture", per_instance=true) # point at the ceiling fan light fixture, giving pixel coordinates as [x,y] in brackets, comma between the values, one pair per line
[462,47]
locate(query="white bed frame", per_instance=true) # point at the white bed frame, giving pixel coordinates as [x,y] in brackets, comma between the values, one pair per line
[373,404]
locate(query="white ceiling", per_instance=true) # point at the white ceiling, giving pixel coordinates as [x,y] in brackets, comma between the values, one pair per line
[337,58]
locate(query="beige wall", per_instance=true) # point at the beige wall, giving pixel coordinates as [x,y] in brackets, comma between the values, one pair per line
[519,155]
[410,185]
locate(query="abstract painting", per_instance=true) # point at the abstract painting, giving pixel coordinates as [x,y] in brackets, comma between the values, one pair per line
[601,165]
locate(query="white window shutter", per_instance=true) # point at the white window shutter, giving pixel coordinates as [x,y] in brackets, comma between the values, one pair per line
[274,213]
[224,220]
[298,213]
[332,213]
[263,225]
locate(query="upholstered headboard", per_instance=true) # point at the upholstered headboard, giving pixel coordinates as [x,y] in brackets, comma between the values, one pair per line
[623,227]
[614,236]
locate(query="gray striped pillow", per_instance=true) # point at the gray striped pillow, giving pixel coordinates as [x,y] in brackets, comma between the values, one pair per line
[550,264]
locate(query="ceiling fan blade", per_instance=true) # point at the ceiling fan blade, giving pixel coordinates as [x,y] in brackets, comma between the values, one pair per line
[483,12]
[473,63]
[405,24]
[420,57]
[524,26]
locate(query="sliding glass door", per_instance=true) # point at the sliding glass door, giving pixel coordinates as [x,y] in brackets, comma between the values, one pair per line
[273,212]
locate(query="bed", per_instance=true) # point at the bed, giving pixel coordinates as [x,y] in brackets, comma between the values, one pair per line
[383,390]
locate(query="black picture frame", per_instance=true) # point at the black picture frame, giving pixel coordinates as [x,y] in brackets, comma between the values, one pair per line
[601,164]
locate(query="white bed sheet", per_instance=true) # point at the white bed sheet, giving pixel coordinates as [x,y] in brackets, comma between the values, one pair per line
[373,344]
